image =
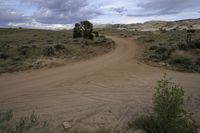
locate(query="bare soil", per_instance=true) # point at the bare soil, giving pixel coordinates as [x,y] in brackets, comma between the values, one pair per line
[105,91]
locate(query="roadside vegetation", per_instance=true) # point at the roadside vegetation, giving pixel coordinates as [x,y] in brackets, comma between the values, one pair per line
[22,49]
[172,49]
[27,124]
[169,112]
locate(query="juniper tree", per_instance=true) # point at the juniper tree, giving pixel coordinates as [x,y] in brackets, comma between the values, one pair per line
[77,31]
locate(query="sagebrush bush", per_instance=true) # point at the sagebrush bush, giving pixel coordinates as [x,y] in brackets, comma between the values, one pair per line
[59,47]
[182,45]
[48,51]
[153,47]
[169,114]
[197,43]
[197,61]
[160,52]
[169,110]
[23,125]
[23,50]
[184,60]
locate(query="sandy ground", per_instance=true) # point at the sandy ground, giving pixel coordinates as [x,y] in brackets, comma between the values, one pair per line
[108,90]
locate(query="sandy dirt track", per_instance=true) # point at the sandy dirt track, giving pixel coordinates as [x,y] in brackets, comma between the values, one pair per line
[107,90]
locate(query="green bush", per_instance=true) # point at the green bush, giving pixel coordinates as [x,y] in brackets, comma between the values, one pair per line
[3,55]
[192,45]
[23,50]
[158,57]
[153,47]
[197,43]
[169,108]
[23,125]
[149,40]
[162,49]
[169,114]
[48,51]
[59,47]
[197,61]
[100,130]
[182,46]
[160,52]
[184,60]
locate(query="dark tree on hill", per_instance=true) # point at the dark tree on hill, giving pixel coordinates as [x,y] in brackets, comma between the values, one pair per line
[87,29]
[77,33]
[84,29]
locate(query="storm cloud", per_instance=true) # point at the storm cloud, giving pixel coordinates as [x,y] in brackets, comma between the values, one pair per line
[165,7]
[62,12]
[8,15]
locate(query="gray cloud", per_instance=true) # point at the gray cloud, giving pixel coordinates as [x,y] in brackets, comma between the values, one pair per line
[120,10]
[63,11]
[165,7]
[56,12]
[10,16]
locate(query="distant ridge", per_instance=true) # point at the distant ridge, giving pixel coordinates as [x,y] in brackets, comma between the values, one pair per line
[157,25]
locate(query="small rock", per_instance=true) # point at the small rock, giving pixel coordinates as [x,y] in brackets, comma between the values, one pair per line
[198,130]
[140,131]
[162,64]
[67,125]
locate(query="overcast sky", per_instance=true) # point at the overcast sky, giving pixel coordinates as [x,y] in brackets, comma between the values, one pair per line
[63,13]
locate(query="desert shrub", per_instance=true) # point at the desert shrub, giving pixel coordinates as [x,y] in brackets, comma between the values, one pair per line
[146,122]
[158,57]
[100,130]
[160,52]
[154,57]
[197,51]
[59,47]
[4,46]
[16,59]
[169,114]
[184,60]
[197,43]
[192,45]
[149,40]
[31,41]
[169,108]
[162,49]
[197,61]
[49,41]
[34,46]
[153,47]
[48,51]
[103,130]
[162,30]
[23,50]
[182,45]
[23,125]
[3,55]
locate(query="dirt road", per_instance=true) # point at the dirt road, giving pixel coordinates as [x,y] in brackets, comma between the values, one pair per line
[107,90]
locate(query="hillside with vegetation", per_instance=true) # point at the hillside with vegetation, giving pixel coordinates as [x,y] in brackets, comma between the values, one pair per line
[22,49]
